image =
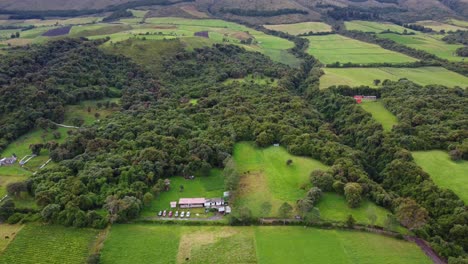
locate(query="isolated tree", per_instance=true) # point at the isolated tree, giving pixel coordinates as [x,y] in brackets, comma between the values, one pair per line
[305,205]
[410,214]
[352,191]
[350,222]
[289,162]
[265,208]
[285,210]
[97,115]
[36,148]
[147,198]
[376,82]
[17,34]
[314,195]
[56,135]
[16,188]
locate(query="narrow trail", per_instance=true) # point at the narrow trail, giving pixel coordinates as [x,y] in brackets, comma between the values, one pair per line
[62,125]
[426,249]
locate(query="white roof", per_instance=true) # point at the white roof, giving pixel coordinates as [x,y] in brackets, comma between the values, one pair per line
[192,200]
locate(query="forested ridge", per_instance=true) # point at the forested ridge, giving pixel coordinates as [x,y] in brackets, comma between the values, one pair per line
[103,171]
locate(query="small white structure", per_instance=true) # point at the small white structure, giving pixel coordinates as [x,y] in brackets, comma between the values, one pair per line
[228,210]
[8,161]
[276,145]
[173,204]
[226,195]
[214,202]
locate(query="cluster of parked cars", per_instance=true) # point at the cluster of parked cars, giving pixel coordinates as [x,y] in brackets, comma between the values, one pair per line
[176,214]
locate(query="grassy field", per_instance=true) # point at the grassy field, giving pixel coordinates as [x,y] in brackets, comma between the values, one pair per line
[81,110]
[267,178]
[251,79]
[366,76]
[146,243]
[445,172]
[7,234]
[301,28]
[41,244]
[429,43]
[438,26]
[456,22]
[375,27]
[380,114]
[207,186]
[335,48]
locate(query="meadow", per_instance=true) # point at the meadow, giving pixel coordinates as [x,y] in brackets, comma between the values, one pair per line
[267,178]
[457,22]
[375,27]
[7,234]
[301,28]
[37,244]
[145,243]
[445,172]
[335,48]
[366,76]
[207,186]
[380,114]
[429,43]
[253,79]
[438,26]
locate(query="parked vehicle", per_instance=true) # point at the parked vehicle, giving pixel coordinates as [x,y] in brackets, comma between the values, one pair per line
[160,213]
[182,214]
[164,213]
[176,214]
[170,213]
[188,214]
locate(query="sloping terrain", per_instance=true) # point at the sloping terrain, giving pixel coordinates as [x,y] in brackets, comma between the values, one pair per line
[58,4]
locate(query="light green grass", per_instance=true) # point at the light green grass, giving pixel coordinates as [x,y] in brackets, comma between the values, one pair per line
[429,43]
[375,27]
[41,244]
[267,178]
[445,172]
[81,110]
[457,22]
[366,76]
[380,114]
[208,186]
[309,245]
[251,79]
[145,243]
[7,234]
[335,48]
[438,26]
[301,28]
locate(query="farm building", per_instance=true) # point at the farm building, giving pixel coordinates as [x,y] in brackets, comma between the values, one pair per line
[191,202]
[214,202]
[8,161]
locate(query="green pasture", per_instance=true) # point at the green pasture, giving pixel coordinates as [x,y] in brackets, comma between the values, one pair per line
[145,243]
[457,22]
[7,234]
[253,79]
[428,43]
[203,186]
[41,244]
[374,27]
[380,114]
[438,26]
[445,172]
[267,178]
[301,28]
[366,76]
[335,48]
[87,110]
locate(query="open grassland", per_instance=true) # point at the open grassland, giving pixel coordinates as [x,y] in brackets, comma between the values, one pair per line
[267,178]
[206,186]
[375,27]
[335,48]
[38,244]
[7,234]
[456,22]
[380,114]
[253,79]
[445,172]
[301,28]
[430,43]
[366,76]
[438,26]
[89,111]
[144,243]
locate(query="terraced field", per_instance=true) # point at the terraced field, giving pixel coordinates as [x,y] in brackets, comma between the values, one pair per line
[183,244]
[301,28]
[366,76]
[335,48]
[429,43]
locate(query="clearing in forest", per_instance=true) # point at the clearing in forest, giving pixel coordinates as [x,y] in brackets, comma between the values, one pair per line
[429,43]
[301,28]
[445,172]
[336,48]
[380,114]
[366,76]
[145,243]
[265,177]
[49,244]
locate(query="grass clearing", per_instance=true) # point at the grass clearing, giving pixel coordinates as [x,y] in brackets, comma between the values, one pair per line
[49,244]
[445,172]
[429,43]
[335,48]
[438,26]
[207,186]
[145,243]
[301,28]
[457,22]
[261,80]
[380,114]
[87,110]
[366,76]
[267,178]
[7,234]
[374,27]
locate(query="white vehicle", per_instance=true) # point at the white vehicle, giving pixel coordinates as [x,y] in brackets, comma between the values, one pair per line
[176,214]
[182,214]
[188,214]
